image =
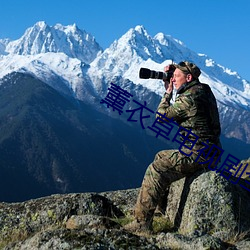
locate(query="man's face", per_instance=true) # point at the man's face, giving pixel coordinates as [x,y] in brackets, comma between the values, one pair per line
[179,78]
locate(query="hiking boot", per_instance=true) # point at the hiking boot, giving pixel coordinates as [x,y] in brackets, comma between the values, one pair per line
[140,227]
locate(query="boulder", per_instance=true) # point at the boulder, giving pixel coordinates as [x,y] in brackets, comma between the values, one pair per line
[208,203]
[178,241]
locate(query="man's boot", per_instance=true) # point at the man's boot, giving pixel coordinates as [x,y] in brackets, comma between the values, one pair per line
[137,226]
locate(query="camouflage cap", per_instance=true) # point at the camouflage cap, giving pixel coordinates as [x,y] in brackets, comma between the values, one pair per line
[189,68]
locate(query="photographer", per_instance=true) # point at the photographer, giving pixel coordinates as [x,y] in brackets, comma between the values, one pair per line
[194,108]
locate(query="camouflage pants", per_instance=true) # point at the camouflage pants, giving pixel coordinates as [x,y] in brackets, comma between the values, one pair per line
[167,167]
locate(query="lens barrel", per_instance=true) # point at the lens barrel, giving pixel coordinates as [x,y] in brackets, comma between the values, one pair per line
[145,73]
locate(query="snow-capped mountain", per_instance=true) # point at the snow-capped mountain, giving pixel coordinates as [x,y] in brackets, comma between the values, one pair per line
[41,38]
[64,73]
[52,53]
[49,136]
[137,49]
[71,61]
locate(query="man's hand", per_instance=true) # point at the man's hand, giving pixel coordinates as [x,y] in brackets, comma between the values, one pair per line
[168,85]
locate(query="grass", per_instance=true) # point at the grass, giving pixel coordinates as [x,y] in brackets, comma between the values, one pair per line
[123,220]
[160,223]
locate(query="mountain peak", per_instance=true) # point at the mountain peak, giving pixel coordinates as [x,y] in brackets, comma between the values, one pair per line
[42,38]
[166,40]
[69,28]
[140,29]
[41,24]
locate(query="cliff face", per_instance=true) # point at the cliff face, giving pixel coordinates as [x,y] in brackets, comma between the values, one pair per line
[206,211]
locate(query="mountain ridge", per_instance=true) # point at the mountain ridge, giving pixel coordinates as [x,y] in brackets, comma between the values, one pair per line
[42,38]
[89,82]
[55,144]
[56,137]
[124,57]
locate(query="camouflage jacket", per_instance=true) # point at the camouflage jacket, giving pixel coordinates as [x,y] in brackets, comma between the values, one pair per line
[195,108]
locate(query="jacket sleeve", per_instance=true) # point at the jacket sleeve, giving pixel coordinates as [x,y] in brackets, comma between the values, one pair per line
[182,108]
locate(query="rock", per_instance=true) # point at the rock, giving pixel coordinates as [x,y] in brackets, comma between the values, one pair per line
[178,241]
[124,199]
[20,220]
[209,204]
[207,211]
[90,221]
[243,245]
[85,239]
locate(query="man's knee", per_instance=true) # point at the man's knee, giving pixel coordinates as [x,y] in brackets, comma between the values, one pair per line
[163,154]
[161,162]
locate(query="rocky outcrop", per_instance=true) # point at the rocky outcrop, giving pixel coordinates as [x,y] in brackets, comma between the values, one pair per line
[71,221]
[209,204]
[205,211]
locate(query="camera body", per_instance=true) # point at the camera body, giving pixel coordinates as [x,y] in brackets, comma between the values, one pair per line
[146,73]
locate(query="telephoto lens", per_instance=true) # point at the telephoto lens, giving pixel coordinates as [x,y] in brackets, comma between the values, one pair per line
[147,73]
[144,73]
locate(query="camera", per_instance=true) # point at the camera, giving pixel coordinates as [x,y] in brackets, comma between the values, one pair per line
[145,73]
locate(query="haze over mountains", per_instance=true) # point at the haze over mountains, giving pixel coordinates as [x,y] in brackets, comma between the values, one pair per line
[55,136]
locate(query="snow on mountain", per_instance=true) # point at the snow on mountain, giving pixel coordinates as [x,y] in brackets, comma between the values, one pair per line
[3,43]
[72,55]
[125,55]
[63,73]
[72,62]
[137,49]
[42,38]
[57,55]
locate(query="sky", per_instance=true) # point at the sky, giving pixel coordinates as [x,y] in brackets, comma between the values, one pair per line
[218,28]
